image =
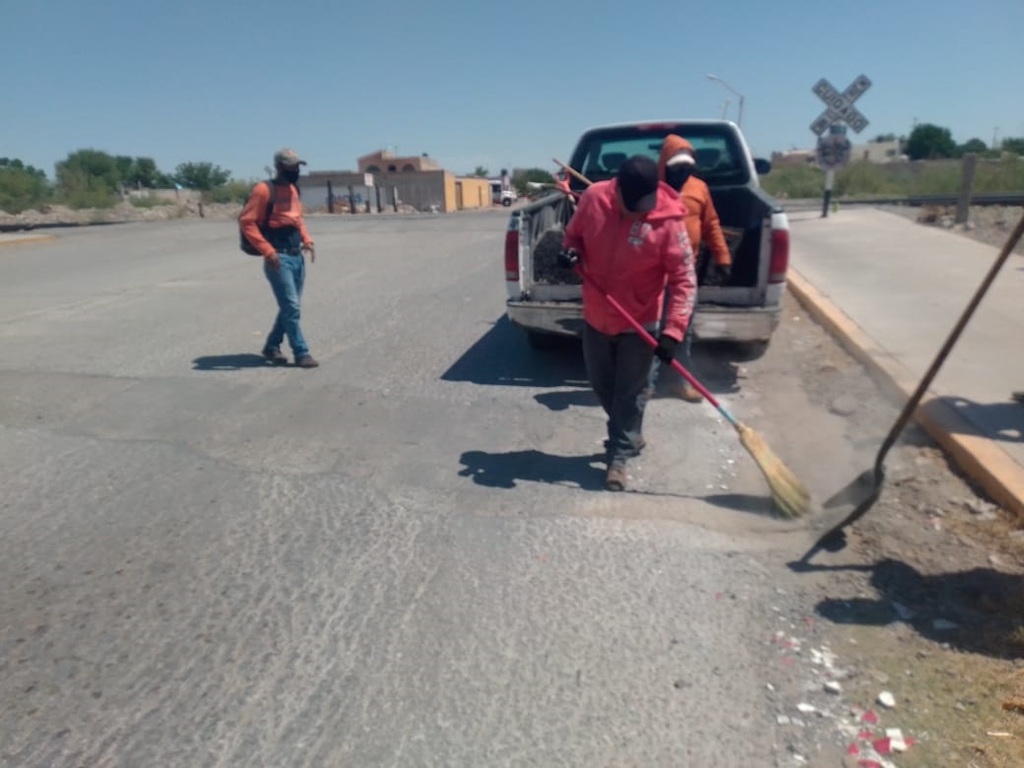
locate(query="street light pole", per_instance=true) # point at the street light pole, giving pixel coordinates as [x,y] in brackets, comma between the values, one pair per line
[720,81]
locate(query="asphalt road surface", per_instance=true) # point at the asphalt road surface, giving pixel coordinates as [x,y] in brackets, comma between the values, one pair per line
[402,558]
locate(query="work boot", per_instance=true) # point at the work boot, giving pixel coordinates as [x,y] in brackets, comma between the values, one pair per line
[684,390]
[274,355]
[615,480]
[307,361]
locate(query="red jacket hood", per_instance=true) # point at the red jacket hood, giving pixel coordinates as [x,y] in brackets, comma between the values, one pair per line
[671,147]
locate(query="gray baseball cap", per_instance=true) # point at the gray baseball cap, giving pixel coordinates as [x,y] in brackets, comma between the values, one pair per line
[289,158]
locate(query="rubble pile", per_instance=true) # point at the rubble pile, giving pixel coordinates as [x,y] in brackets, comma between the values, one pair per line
[546,268]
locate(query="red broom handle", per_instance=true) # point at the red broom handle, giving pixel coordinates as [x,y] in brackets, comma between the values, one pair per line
[651,341]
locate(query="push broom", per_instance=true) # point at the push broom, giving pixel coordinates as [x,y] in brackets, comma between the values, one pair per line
[788,493]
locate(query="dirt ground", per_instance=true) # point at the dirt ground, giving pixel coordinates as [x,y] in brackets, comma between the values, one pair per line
[990,224]
[926,602]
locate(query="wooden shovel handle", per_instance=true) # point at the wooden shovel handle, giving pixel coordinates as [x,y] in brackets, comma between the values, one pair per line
[572,171]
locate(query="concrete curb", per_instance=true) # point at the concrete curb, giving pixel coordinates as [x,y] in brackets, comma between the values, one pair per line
[26,240]
[984,462]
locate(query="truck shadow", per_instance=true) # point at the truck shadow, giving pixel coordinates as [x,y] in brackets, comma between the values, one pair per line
[503,357]
[978,611]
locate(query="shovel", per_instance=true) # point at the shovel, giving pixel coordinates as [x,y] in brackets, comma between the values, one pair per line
[853,502]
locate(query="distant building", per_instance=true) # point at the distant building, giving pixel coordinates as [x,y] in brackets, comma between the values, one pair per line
[878,152]
[871,152]
[385,161]
[416,181]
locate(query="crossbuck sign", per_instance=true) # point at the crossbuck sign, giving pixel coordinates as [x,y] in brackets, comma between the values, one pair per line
[840,105]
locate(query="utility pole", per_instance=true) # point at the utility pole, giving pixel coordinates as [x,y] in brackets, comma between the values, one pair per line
[737,94]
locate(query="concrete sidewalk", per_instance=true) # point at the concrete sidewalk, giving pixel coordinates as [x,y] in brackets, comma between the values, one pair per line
[891,290]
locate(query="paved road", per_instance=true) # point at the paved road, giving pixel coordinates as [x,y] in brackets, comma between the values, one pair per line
[401,558]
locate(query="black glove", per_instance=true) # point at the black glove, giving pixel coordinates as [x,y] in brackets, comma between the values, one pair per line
[666,349]
[723,273]
[568,258]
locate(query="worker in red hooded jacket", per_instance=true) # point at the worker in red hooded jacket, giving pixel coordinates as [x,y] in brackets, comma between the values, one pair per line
[675,166]
[629,237]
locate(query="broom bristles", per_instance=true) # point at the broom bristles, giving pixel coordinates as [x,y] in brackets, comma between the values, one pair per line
[788,493]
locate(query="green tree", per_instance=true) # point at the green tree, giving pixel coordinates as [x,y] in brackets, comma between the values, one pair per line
[124,168]
[973,145]
[930,142]
[143,173]
[201,176]
[1013,146]
[537,175]
[17,165]
[481,172]
[21,186]
[88,178]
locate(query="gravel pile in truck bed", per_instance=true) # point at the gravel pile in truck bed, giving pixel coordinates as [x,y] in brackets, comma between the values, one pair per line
[546,268]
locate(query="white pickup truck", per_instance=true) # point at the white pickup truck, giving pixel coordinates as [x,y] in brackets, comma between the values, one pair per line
[545,300]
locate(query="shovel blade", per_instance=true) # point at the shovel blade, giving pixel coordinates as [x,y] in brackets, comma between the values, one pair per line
[866,485]
[847,507]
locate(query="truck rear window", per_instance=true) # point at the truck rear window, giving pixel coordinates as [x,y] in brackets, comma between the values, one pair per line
[720,160]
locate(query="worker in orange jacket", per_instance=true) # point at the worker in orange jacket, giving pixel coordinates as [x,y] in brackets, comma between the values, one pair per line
[676,165]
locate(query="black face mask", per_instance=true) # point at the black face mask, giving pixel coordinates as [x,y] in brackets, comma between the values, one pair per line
[676,175]
[292,177]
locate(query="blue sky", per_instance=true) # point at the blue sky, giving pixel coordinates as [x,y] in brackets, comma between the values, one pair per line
[481,83]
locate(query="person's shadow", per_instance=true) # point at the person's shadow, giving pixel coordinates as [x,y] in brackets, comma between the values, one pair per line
[502,470]
[979,611]
[586,472]
[230,362]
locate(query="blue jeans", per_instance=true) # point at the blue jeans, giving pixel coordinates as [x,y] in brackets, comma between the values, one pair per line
[286,283]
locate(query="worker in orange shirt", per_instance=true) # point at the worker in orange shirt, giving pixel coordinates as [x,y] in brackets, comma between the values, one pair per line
[676,165]
[283,243]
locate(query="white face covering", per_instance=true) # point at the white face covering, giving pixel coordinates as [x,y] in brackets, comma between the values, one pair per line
[676,173]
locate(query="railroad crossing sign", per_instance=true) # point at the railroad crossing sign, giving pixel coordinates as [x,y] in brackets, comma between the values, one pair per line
[840,105]
[833,150]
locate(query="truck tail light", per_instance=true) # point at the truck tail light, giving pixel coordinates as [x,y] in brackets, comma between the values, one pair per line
[780,256]
[512,254]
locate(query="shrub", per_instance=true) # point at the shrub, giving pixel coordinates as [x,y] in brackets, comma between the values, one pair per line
[232,192]
[150,201]
[21,190]
[797,181]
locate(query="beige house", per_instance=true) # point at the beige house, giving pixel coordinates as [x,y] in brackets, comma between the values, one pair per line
[384,161]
